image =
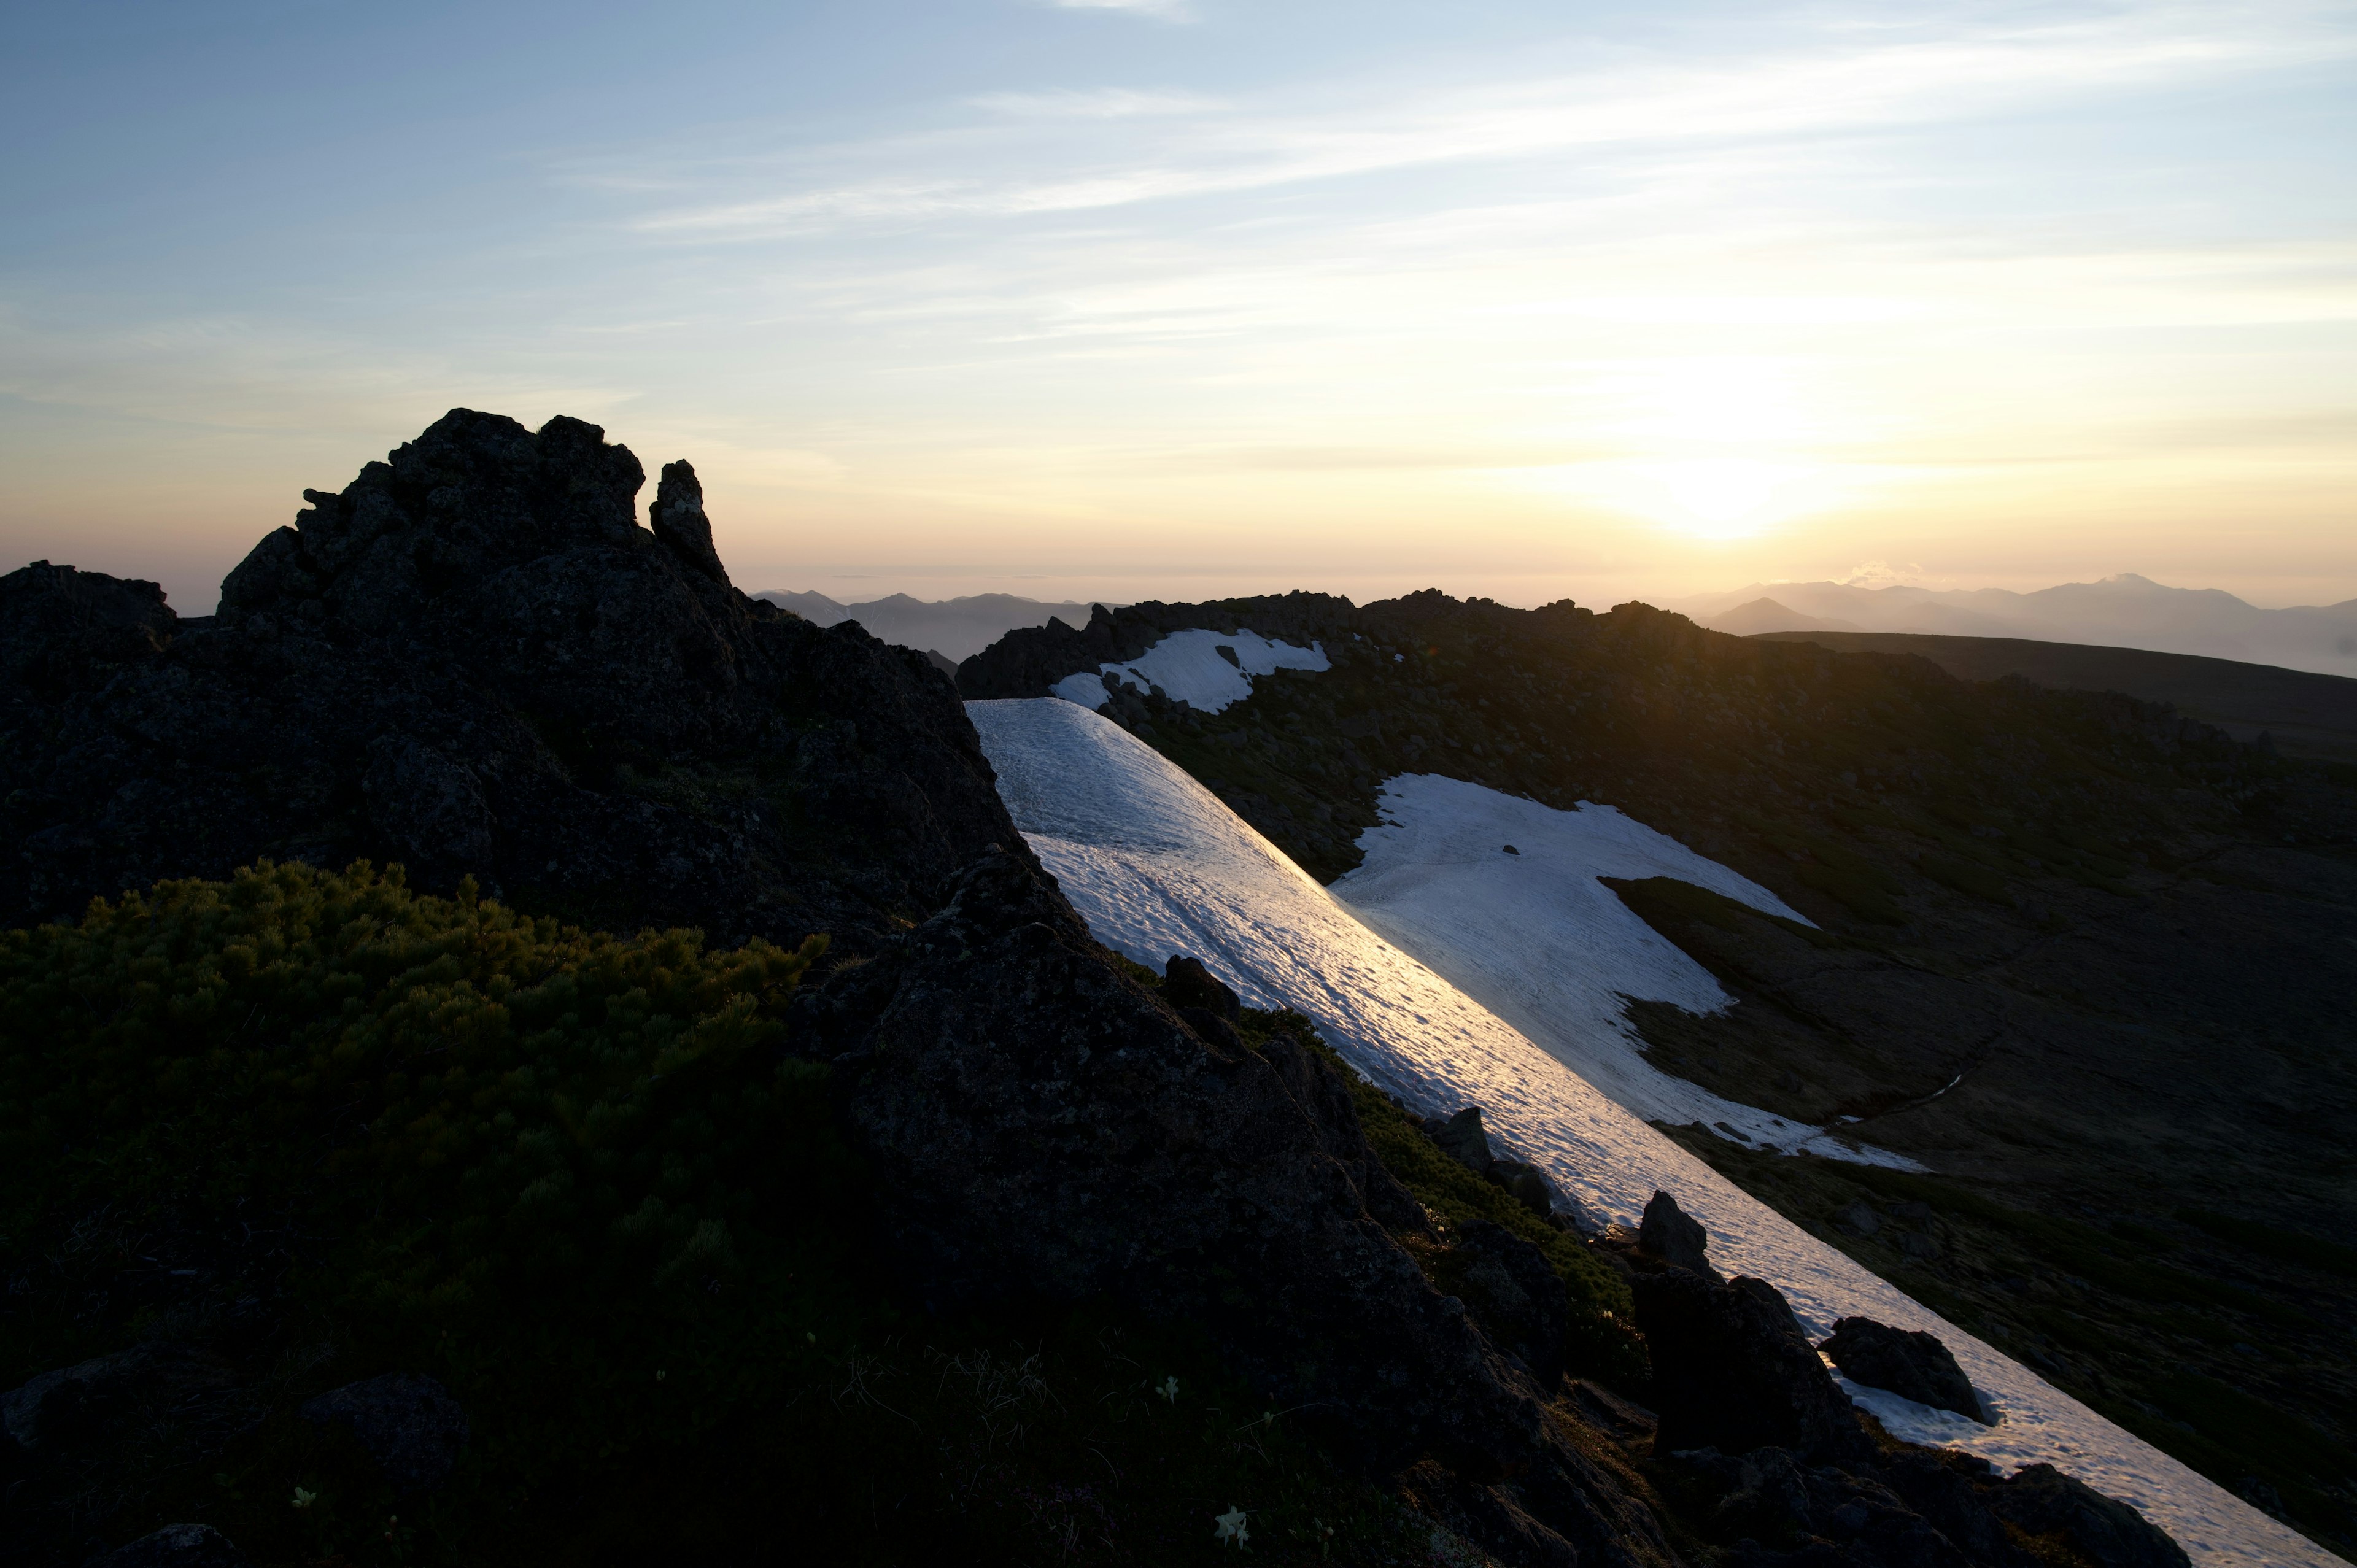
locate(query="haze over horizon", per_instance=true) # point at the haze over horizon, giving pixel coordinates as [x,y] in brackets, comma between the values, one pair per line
[1180,298]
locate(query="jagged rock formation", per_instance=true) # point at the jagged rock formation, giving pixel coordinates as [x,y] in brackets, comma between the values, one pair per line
[474,661]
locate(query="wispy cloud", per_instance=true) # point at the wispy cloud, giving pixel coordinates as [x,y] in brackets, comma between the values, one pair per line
[1100,103]
[1843,83]
[1161,10]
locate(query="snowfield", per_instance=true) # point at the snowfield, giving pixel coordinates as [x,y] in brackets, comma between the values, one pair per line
[1189,668]
[1157,865]
[1535,939]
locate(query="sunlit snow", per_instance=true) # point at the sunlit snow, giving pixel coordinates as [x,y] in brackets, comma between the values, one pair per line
[1157,865]
[1535,938]
[1189,668]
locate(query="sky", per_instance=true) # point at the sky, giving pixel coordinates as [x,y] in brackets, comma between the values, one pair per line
[1177,298]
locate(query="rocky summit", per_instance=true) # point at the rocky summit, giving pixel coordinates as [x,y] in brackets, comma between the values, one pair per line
[475,661]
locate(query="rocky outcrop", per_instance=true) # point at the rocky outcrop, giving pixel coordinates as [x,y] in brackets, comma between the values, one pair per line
[1029,659]
[1910,1363]
[1054,1129]
[1668,1233]
[1733,1371]
[407,1422]
[176,1546]
[474,661]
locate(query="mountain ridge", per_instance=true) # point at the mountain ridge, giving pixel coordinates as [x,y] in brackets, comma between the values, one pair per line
[2127,610]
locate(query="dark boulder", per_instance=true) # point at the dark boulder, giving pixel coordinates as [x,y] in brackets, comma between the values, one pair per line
[1054,1129]
[175,1546]
[1673,1236]
[1517,1296]
[474,661]
[1526,1182]
[1769,1499]
[407,1422]
[1944,1486]
[1733,1371]
[74,1412]
[1462,1138]
[2040,1500]
[1188,983]
[1910,1363]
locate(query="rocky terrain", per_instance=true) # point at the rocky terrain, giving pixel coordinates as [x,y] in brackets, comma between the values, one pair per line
[348,1209]
[2080,955]
[476,660]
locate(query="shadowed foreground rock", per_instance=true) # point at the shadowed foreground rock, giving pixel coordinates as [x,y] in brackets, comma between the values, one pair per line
[475,661]
[1732,1369]
[1054,1129]
[408,1422]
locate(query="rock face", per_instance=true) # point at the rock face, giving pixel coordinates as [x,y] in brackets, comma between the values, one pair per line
[1733,1371]
[474,661]
[408,1422]
[1912,1365]
[1054,1129]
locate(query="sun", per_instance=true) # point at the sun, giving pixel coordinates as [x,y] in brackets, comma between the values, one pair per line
[1723,497]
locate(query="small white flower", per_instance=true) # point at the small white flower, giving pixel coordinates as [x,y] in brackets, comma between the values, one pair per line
[1169,1390]
[1231,1526]
[303,1500]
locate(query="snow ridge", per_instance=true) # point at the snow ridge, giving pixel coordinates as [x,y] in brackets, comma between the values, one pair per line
[1157,865]
[1533,936]
[1189,668]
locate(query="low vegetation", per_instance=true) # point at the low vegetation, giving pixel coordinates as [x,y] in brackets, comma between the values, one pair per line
[310,1128]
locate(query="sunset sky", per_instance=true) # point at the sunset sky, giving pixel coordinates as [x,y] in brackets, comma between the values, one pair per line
[1172,298]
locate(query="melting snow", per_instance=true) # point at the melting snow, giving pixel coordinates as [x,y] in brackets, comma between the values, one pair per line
[1535,939]
[1157,865]
[1189,668]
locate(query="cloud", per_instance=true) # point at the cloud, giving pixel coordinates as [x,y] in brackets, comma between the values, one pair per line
[1161,10]
[1840,83]
[1102,103]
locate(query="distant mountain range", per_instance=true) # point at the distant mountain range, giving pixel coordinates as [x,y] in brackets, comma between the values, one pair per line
[2126,611]
[957,629]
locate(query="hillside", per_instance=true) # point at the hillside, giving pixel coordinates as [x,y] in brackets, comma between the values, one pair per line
[2302,713]
[2080,956]
[2126,611]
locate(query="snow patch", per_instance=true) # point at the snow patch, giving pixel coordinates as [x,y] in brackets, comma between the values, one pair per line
[1534,937]
[1189,668]
[1157,865]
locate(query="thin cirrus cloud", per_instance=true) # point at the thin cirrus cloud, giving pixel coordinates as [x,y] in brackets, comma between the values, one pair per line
[1160,10]
[1103,103]
[1846,83]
